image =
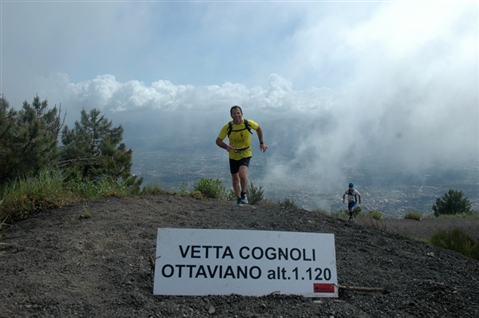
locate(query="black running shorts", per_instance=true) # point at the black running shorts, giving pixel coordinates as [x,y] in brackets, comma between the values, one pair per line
[236,164]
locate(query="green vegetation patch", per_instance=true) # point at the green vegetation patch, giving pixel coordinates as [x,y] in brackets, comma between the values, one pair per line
[255,194]
[452,202]
[413,216]
[375,214]
[456,240]
[288,204]
[211,188]
[23,197]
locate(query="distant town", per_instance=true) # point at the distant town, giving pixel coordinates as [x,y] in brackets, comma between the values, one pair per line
[175,170]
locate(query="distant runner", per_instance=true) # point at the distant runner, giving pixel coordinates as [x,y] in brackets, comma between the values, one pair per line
[353,198]
[239,134]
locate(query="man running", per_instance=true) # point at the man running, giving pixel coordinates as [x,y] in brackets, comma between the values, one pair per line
[239,134]
[353,198]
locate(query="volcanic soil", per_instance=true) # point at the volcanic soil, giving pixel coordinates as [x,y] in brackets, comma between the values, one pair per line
[58,263]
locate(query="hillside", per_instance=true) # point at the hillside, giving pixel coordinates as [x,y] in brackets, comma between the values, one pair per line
[58,264]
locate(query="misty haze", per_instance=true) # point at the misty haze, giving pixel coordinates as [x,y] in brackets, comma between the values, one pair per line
[310,161]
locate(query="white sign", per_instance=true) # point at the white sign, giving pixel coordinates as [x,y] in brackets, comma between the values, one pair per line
[253,263]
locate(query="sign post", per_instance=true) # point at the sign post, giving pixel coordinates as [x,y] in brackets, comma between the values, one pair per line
[251,263]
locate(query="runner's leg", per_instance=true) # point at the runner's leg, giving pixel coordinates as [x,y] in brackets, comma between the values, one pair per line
[243,176]
[351,208]
[236,184]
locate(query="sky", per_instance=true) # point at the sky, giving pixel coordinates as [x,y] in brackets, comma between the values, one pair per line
[396,80]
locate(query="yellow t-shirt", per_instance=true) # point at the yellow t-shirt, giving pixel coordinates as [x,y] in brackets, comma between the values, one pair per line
[240,138]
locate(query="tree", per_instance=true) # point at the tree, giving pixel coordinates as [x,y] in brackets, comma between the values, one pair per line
[29,143]
[452,202]
[28,138]
[93,150]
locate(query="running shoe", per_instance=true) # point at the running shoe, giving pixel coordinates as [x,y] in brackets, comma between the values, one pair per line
[244,199]
[239,202]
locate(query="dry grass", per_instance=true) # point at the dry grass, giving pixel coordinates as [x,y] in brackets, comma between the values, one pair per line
[372,222]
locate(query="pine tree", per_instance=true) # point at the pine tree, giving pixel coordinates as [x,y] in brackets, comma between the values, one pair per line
[93,150]
[452,202]
[7,127]
[29,139]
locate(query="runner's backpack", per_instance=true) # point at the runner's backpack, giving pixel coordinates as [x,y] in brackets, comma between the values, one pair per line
[246,126]
[351,193]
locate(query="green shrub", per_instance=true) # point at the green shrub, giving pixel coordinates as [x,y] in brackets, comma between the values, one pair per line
[288,204]
[452,202]
[255,194]
[356,211]
[24,196]
[102,188]
[107,188]
[48,190]
[456,240]
[183,189]
[197,195]
[413,216]
[87,214]
[229,195]
[375,214]
[211,188]
[153,188]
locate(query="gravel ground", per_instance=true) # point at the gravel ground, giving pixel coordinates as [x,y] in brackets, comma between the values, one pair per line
[58,264]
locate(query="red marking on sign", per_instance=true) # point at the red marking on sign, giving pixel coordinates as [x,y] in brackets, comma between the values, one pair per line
[323,288]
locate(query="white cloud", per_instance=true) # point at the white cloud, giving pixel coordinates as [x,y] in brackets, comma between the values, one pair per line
[105,92]
[393,78]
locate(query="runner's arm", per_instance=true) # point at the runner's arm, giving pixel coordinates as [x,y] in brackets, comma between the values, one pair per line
[223,145]
[262,145]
